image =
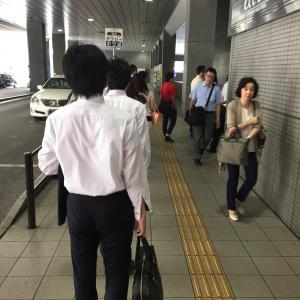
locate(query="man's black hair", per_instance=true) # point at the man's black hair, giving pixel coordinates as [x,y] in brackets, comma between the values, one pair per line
[143,74]
[211,70]
[200,69]
[168,76]
[118,74]
[133,69]
[141,83]
[243,82]
[85,68]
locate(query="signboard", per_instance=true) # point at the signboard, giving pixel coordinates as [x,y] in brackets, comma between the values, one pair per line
[113,37]
[247,14]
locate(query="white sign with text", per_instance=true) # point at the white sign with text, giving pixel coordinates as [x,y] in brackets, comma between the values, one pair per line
[113,37]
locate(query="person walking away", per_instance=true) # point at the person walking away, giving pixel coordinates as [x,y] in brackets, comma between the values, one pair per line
[98,149]
[200,77]
[244,119]
[167,106]
[200,95]
[147,94]
[118,77]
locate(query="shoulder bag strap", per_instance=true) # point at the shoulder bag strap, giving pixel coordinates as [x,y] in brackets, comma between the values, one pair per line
[254,108]
[210,93]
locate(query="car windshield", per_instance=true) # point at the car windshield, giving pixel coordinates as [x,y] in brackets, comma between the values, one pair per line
[56,83]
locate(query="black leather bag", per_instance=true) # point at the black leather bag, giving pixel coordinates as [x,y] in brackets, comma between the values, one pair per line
[197,116]
[147,283]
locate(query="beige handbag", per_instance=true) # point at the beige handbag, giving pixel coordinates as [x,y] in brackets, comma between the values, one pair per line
[233,151]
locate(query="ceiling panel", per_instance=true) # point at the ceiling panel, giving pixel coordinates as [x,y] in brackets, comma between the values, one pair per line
[141,21]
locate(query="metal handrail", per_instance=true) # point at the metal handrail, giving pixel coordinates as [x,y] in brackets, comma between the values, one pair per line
[30,191]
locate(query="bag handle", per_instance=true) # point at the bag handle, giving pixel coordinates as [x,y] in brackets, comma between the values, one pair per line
[209,96]
[156,107]
[144,243]
[146,248]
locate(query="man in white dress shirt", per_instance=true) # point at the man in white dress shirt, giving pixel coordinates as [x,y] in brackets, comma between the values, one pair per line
[118,76]
[98,149]
[200,77]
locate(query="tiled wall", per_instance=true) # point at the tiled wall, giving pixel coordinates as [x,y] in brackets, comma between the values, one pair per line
[271,54]
[199,40]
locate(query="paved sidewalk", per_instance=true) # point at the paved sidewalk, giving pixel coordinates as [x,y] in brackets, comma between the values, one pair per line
[260,256]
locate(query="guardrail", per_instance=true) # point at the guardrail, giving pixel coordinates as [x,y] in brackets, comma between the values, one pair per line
[32,190]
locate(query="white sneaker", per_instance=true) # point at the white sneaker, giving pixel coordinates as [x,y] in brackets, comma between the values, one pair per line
[239,207]
[233,215]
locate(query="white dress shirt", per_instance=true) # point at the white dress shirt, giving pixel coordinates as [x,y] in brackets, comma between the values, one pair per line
[98,149]
[119,99]
[195,81]
[225,91]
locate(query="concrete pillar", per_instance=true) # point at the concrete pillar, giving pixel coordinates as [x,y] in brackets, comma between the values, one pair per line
[168,52]
[200,30]
[222,41]
[59,48]
[37,53]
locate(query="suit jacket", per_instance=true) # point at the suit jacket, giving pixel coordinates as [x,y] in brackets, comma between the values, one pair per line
[62,198]
[234,116]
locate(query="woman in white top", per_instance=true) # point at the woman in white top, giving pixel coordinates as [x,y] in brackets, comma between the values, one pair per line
[148,94]
[98,149]
[243,118]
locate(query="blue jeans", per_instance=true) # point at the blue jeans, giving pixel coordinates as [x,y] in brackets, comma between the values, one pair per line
[233,180]
[171,115]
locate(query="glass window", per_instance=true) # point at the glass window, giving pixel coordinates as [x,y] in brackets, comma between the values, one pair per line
[56,83]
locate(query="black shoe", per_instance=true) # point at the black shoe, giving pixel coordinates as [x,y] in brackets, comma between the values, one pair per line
[169,139]
[131,267]
[198,162]
[201,151]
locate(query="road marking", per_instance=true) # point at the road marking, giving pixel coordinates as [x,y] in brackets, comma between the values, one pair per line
[12,100]
[15,165]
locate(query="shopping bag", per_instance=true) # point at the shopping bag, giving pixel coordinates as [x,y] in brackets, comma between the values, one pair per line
[233,151]
[147,283]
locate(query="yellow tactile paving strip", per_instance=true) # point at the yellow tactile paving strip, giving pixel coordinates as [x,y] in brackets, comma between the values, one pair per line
[207,275]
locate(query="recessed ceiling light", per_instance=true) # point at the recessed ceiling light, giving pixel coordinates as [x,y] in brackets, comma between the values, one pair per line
[148,0]
[143,45]
[59,30]
[91,20]
[143,51]
[118,48]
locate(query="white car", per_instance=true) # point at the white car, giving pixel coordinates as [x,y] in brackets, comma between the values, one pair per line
[54,94]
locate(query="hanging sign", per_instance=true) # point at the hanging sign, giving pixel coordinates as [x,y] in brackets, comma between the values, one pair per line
[113,37]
